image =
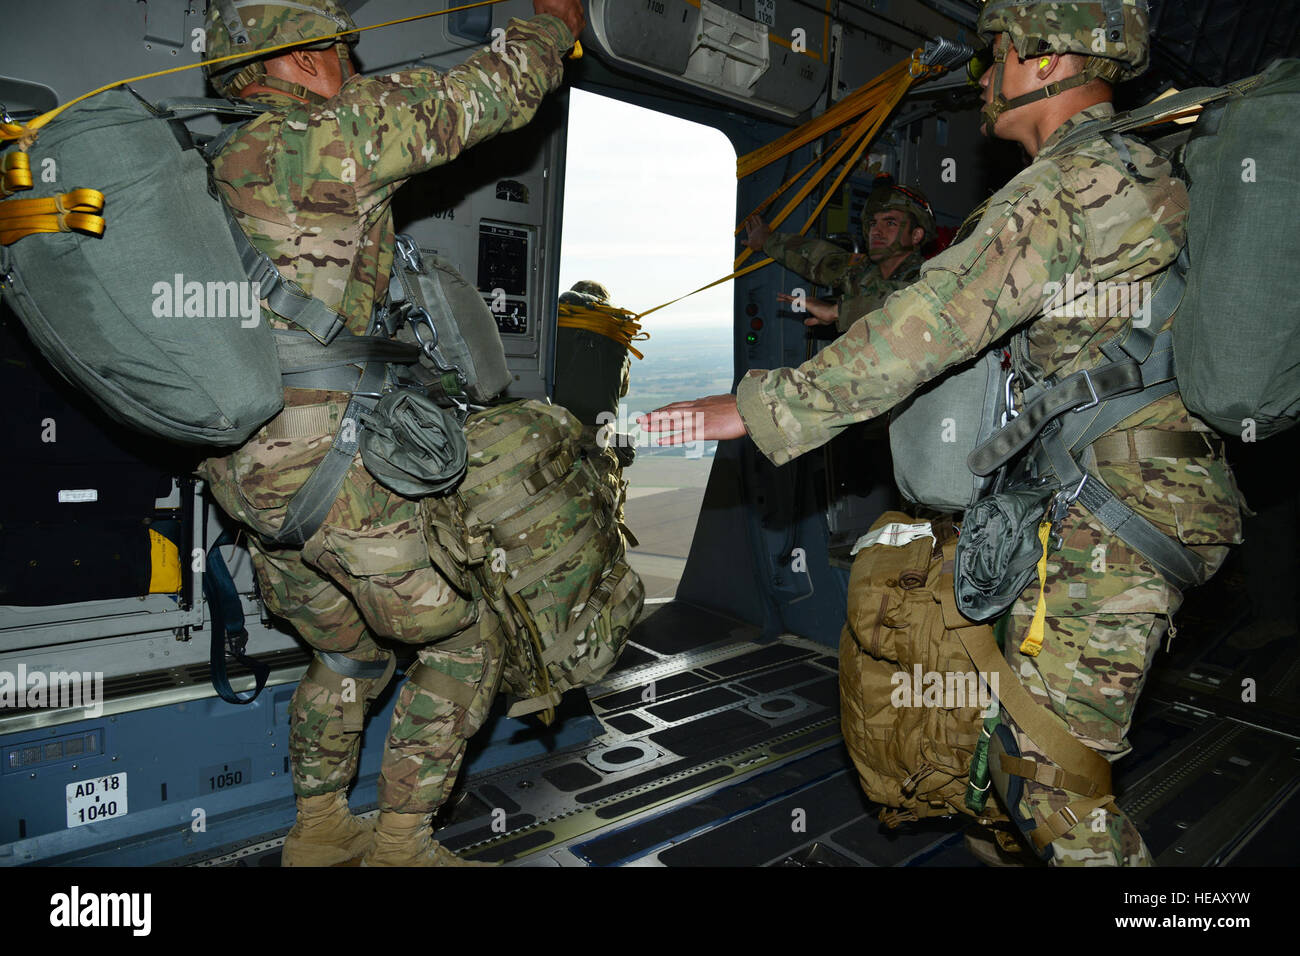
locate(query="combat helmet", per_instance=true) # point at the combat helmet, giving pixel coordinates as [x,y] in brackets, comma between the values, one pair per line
[236,25]
[591,288]
[1112,34]
[888,194]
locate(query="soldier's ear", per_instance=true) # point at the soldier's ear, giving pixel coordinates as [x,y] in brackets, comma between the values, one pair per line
[918,236]
[305,60]
[1047,65]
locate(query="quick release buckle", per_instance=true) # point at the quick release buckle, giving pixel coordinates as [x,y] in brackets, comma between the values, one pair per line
[1059,508]
[409,253]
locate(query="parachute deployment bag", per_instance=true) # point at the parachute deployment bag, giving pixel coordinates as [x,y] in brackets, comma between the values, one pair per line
[536,523]
[155,319]
[591,367]
[1237,334]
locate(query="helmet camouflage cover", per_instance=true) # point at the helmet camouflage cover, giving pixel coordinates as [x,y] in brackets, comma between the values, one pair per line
[592,288]
[1113,30]
[261,24]
[909,199]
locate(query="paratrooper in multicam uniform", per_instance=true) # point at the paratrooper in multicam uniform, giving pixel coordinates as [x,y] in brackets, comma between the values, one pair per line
[310,182]
[897,223]
[1087,213]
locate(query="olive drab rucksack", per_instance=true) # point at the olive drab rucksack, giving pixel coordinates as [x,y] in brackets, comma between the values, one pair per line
[532,529]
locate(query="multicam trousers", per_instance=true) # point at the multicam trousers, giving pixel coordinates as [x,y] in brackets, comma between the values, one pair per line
[1108,610]
[365,574]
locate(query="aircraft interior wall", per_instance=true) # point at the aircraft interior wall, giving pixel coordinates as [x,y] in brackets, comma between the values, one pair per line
[767,576]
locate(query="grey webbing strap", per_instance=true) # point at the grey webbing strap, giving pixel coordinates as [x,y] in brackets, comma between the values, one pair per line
[1180,566]
[299,352]
[329,670]
[1126,157]
[1080,390]
[1176,563]
[307,509]
[1140,371]
[283,296]
[342,379]
[208,104]
[347,667]
[1144,115]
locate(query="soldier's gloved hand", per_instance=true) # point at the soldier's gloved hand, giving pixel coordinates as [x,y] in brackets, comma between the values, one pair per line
[570,11]
[820,312]
[757,232]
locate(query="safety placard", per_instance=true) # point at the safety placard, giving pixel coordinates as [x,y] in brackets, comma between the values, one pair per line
[765,12]
[100,798]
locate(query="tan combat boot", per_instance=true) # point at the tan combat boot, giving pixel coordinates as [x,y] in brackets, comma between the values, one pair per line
[326,834]
[406,839]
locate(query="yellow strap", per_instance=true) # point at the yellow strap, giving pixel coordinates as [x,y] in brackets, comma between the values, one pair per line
[15,173]
[762,207]
[735,275]
[15,131]
[851,107]
[75,210]
[1033,642]
[870,106]
[617,324]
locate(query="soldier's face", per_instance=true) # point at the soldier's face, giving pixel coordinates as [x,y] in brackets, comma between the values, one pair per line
[1018,78]
[890,231]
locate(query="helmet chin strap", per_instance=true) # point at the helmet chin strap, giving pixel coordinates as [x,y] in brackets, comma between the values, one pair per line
[1095,67]
[255,72]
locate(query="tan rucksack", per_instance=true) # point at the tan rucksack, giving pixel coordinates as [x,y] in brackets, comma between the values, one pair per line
[534,522]
[913,755]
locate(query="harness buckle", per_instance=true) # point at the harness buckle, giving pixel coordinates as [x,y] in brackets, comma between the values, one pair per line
[409,253]
[1087,405]
[1009,401]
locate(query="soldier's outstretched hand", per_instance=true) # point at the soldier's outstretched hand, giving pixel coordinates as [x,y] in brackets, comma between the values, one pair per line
[820,312]
[757,232]
[570,11]
[701,419]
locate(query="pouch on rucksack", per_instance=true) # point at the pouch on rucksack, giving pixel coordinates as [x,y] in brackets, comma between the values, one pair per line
[534,522]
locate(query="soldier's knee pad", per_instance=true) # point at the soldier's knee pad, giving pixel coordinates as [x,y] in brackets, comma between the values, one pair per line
[357,683]
[1012,788]
[472,700]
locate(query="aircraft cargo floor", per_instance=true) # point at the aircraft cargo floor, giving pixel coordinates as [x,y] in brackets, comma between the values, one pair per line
[723,749]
